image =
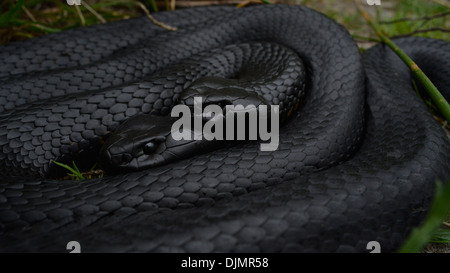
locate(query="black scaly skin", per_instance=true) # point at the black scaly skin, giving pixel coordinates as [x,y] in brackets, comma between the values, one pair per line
[242,74]
[357,163]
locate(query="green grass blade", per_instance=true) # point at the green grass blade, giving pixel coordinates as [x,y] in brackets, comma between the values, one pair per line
[75,167]
[438,99]
[93,167]
[442,236]
[439,210]
[77,173]
[152,5]
[14,12]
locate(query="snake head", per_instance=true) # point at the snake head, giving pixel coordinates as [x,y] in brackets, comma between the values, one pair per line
[146,141]
[139,143]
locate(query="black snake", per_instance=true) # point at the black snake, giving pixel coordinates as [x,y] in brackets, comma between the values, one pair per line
[356,163]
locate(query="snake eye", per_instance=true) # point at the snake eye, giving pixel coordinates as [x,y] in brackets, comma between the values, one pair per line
[153,144]
[149,147]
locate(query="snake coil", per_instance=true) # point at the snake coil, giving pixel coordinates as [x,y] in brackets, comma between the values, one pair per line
[356,163]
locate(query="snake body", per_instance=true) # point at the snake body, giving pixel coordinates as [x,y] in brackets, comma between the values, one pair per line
[356,163]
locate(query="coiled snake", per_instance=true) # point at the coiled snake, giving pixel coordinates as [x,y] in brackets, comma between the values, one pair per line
[357,162]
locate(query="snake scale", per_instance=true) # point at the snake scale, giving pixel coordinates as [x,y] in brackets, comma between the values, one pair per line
[356,163]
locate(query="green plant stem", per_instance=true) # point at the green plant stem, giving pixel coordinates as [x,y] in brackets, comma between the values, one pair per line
[91,10]
[439,100]
[370,39]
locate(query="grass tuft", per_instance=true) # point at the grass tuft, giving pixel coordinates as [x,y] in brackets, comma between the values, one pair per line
[75,174]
